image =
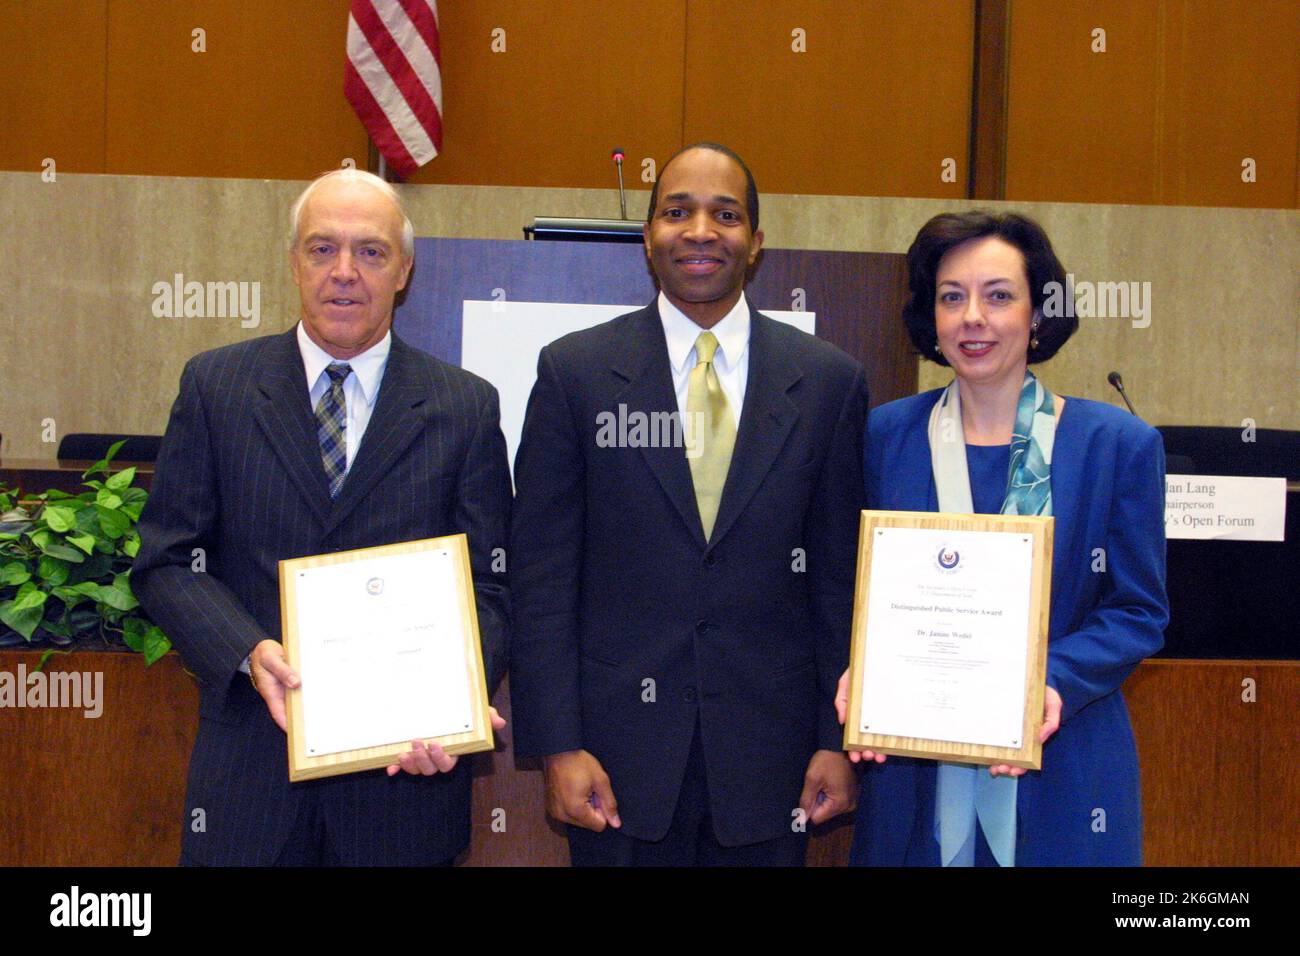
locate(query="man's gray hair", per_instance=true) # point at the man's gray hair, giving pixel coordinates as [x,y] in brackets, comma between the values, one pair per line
[354,176]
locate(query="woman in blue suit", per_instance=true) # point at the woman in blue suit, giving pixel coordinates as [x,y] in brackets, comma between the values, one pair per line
[984,303]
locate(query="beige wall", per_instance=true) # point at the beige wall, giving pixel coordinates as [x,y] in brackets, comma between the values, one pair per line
[79,257]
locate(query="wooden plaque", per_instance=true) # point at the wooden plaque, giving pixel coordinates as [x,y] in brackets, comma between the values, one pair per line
[303,764]
[1037,532]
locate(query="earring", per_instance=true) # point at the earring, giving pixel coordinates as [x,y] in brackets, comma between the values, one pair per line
[1033,331]
[936,348]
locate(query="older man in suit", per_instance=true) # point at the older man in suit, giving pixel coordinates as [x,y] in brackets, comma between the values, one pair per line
[682,607]
[332,436]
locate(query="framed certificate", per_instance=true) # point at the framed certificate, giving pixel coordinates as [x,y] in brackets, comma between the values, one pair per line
[386,642]
[950,625]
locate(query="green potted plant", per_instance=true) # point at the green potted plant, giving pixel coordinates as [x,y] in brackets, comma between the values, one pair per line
[65,565]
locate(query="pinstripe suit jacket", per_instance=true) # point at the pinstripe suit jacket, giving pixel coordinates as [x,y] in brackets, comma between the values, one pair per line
[240,477]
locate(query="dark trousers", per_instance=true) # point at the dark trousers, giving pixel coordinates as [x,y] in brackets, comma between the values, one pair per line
[690,840]
[309,842]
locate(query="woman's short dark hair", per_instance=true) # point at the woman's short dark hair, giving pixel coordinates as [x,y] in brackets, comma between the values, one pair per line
[949,230]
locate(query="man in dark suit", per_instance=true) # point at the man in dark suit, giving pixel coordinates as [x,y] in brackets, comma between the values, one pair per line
[682,595]
[332,436]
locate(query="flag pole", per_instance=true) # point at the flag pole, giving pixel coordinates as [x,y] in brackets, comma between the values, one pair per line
[376,163]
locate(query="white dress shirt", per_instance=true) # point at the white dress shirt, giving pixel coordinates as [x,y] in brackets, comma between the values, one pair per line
[731,361]
[360,389]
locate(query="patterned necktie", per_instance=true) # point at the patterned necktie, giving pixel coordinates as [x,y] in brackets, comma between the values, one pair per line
[712,429]
[332,426]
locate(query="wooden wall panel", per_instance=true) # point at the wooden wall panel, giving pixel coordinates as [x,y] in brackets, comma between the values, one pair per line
[881,96]
[1183,92]
[265,100]
[574,81]
[1233,92]
[1082,125]
[876,103]
[52,66]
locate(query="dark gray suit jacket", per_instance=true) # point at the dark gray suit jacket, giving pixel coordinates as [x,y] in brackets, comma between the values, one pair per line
[629,626]
[240,477]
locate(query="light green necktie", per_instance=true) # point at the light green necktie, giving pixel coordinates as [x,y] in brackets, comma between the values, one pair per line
[712,431]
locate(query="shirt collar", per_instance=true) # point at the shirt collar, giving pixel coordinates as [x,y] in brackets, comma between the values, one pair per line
[368,367]
[732,334]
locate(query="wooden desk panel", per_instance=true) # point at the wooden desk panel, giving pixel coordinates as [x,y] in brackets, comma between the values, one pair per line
[1221,777]
[37,475]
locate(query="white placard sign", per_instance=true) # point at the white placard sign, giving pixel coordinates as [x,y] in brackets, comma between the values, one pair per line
[1225,507]
[500,340]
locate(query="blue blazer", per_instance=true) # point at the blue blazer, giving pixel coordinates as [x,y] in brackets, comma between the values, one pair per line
[1109,611]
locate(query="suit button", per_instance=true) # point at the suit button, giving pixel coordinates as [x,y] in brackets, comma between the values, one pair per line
[711,560]
[689,695]
[702,627]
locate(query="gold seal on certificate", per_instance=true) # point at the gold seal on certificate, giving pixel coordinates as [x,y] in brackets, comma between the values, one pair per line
[950,628]
[386,642]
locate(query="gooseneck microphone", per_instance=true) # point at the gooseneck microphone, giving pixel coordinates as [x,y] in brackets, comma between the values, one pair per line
[617,156]
[1117,382]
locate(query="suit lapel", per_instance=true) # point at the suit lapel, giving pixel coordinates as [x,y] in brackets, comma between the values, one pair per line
[765,422]
[399,416]
[644,366]
[284,414]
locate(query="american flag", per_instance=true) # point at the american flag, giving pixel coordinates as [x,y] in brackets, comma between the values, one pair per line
[393,79]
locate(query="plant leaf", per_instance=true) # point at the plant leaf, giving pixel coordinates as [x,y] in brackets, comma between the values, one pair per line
[133,639]
[15,572]
[102,464]
[121,480]
[88,519]
[86,542]
[108,498]
[24,622]
[59,519]
[155,645]
[53,570]
[56,550]
[120,599]
[29,595]
[134,496]
[114,523]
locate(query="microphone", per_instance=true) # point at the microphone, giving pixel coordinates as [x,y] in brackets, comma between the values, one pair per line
[1117,382]
[617,156]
